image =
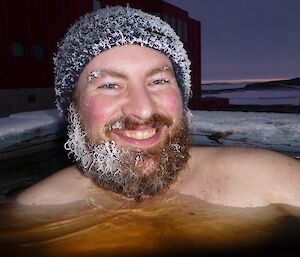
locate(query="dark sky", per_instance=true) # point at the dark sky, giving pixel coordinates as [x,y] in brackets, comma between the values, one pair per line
[247,39]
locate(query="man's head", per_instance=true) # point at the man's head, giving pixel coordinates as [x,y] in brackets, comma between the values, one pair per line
[103,29]
[125,76]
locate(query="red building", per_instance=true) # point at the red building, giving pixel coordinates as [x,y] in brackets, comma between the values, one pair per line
[31,29]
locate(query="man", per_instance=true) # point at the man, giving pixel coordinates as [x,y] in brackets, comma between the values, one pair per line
[123,82]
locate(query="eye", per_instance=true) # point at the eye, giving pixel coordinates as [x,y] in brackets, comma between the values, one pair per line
[109,86]
[159,82]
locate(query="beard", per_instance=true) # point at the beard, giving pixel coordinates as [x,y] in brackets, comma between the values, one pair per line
[131,172]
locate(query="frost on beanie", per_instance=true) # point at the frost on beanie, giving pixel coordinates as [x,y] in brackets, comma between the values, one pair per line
[115,26]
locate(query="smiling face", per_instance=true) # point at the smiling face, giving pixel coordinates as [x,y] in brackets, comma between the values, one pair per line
[130,82]
[130,108]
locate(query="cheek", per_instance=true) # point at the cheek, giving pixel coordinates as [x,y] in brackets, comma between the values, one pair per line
[96,110]
[172,103]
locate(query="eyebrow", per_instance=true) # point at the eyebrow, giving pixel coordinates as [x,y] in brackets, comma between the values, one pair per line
[160,69]
[112,73]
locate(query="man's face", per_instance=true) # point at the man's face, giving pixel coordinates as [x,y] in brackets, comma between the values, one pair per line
[128,95]
[129,81]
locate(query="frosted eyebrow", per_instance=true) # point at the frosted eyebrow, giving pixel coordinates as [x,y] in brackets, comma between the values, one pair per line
[102,72]
[161,69]
[93,74]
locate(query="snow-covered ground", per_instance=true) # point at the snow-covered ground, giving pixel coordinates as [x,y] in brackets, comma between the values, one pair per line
[284,96]
[220,86]
[26,128]
[276,131]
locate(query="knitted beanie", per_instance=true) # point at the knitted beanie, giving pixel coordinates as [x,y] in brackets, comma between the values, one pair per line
[115,26]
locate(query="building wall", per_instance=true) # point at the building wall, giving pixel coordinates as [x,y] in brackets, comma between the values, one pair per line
[13,100]
[31,29]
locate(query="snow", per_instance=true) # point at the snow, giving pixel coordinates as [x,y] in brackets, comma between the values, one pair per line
[262,97]
[21,127]
[21,122]
[278,131]
[220,86]
[286,95]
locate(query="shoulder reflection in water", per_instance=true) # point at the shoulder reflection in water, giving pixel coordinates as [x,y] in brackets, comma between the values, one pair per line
[166,224]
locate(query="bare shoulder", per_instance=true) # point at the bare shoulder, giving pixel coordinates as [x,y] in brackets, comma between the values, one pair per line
[230,154]
[231,159]
[65,186]
[245,176]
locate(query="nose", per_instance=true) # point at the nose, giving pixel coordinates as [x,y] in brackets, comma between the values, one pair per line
[139,103]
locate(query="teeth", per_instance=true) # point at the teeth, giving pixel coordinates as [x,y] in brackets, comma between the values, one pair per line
[140,134]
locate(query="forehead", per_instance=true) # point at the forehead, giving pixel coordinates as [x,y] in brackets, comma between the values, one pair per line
[128,57]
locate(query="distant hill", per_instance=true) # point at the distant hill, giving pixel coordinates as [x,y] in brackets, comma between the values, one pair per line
[277,84]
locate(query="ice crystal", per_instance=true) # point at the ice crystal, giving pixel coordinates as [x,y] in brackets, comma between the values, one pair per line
[94,74]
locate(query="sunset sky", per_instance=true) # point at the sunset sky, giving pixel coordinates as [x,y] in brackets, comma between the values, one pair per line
[247,39]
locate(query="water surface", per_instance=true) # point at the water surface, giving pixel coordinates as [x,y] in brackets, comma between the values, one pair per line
[172,224]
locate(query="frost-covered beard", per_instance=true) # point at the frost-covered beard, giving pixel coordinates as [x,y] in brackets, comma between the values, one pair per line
[121,170]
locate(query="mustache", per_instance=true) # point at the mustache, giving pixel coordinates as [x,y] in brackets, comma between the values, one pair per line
[131,123]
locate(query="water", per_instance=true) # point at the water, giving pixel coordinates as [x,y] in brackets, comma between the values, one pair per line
[172,224]
[21,172]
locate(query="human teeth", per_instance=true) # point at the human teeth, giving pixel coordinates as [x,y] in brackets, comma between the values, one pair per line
[140,134]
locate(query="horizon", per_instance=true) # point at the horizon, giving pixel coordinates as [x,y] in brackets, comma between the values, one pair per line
[235,81]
